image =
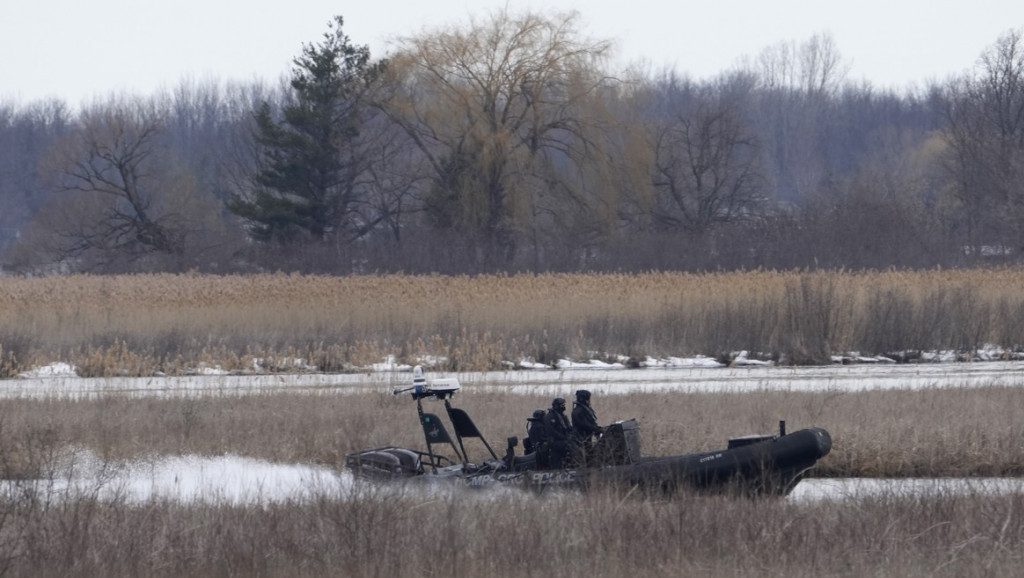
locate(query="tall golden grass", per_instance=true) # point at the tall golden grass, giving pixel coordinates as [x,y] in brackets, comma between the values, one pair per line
[136,325]
[372,534]
[964,432]
[140,324]
[372,531]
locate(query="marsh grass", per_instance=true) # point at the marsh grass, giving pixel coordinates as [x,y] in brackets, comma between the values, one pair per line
[366,532]
[371,531]
[140,324]
[137,325]
[900,433]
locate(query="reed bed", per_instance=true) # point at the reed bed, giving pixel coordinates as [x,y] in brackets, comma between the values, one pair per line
[137,325]
[929,433]
[368,532]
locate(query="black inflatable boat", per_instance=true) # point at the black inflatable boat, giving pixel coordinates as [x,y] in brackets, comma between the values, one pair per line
[749,465]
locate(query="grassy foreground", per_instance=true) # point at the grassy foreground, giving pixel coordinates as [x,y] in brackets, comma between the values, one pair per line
[136,325]
[367,531]
[372,534]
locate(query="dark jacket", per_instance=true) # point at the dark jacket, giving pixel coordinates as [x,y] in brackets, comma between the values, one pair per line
[557,427]
[559,431]
[537,441]
[584,421]
[536,431]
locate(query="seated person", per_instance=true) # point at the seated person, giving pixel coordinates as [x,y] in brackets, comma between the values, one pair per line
[558,433]
[537,438]
[584,426]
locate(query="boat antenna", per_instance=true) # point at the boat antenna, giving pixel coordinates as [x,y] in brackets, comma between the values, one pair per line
[419,383]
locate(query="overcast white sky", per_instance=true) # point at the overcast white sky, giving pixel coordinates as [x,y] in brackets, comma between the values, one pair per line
[79,49]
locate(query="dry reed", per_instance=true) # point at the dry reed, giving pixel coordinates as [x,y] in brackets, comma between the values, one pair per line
[137,325]
[940,432]
[367,531]
[370,533]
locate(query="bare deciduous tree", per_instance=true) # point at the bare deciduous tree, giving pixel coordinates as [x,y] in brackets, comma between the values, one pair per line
[120,196]
[813,67]
[798,81]
[707,168]
[496,112]
[25,135]
[985,131]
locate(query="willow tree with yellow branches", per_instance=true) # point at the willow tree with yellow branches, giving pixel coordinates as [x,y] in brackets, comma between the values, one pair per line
[501,112]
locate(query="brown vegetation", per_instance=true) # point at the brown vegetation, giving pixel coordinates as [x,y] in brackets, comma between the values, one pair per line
[136,325]
[368,532]
[902,433]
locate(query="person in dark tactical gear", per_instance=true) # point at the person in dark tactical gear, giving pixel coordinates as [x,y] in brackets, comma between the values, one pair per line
[584,427]
[537,438]
[559,432]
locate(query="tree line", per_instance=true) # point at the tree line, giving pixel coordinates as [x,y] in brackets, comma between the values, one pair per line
[509,144]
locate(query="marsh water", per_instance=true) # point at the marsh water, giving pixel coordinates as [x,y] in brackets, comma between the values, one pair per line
[243,480]
[59,383]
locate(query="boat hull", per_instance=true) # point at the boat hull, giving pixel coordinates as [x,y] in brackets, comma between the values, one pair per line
[772,465]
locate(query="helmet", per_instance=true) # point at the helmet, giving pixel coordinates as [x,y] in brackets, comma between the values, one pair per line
[558,404]
[582,395]
[537,414]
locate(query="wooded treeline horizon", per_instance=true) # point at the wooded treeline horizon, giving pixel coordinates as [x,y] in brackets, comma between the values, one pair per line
[508,145]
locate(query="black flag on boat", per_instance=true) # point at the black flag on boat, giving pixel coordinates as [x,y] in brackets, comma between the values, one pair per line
[434,429]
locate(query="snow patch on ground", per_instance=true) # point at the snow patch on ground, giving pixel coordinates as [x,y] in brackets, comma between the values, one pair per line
[391,364]
[58,369]
[698,361]
[855,357]
[592,364]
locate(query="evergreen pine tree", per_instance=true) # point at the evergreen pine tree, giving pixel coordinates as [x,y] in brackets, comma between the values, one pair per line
[306,187]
